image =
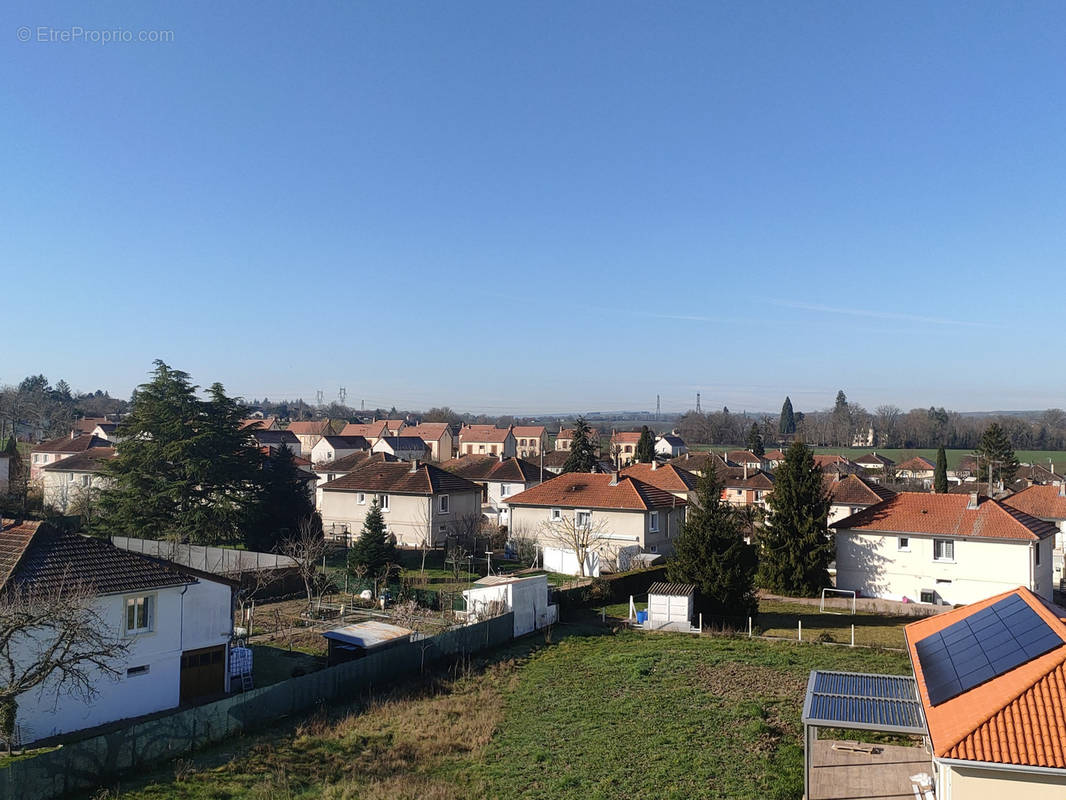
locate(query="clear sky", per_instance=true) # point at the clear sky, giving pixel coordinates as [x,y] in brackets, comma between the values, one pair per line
[540,206]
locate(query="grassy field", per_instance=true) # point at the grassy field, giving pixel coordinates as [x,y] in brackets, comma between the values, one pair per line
[592,715]
[900,455]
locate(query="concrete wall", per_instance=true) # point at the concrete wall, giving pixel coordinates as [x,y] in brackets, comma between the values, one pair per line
[963,783]
[411,518]
[874,565]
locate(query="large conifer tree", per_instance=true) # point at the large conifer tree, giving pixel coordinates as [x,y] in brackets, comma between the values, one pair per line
[374,551]
[282,502]
[787,425]
[582,456]
[995,450]
[755,440]
[710,553]
[796,551]
[645,450]
[940,475]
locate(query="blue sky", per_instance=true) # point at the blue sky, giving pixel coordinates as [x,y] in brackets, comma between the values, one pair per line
[540,206]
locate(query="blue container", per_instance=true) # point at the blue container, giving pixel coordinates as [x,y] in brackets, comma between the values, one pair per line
[642,617]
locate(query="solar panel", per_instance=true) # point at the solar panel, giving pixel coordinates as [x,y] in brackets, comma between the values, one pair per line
[983,646]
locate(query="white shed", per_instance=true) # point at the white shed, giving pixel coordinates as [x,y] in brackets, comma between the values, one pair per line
[670,604]
[526,597]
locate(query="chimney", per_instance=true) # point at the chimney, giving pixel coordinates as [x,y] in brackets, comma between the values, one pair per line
[745,470]
[972,502]
[501,458]
[654,464]
[614,479]
[415,465]
[1062,490]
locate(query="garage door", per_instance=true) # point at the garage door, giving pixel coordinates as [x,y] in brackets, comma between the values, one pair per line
[203,673]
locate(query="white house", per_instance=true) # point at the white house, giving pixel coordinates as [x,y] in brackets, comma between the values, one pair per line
[850,494]
[335,469]
[405,448]
[309,432]
[943,548]
[276,439]
[419,502]
[66,481]
[176,622]
[1046,502]
[919,469]
[526,597]
[670,445]
[487,440]
[331,448]
[500,479]
[53,450]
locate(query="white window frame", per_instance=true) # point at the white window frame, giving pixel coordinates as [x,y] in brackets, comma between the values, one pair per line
[653,522]
[384,502]
[577,518]
[951,544]
[360,498]
[903,544]
[444,504]
[505,489]
[129,603]
[555,514]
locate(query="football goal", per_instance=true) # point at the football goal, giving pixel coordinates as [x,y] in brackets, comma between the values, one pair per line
[837,593]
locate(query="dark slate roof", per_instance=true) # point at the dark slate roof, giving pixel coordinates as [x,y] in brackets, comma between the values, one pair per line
[68,444]
[351,461]
[347,442]
[675,589]
[92,460]
[404,442]
[276,438]
[399,477]
[44,558]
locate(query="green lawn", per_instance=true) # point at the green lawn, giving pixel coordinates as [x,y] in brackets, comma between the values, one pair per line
[593,715]
[272,665]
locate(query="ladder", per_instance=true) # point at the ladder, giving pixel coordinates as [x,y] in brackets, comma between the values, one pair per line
[246,681]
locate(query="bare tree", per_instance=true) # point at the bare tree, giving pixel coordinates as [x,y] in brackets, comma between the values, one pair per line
[307,547]
[584,536]
[463,532]
[52,637]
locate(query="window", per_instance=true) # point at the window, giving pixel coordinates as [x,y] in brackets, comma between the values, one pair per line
[1037,551]
[583,519]
[943,550]
[505,489]
[384,502]
[133,671]
[330,476]
[903,543]
[481,448]
[443,529]
[139,614]
[442,504]
[557,514]
[85,482]
[36,458]
[494,449]
[360,498]
[653,521]
[629,448]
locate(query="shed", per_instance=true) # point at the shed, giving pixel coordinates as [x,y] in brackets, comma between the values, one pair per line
[362,638]
[670,604]
[527,597]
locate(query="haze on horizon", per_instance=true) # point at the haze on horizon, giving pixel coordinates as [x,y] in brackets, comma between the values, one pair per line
[541,208]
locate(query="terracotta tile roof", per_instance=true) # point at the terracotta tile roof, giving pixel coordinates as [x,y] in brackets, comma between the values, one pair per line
[368,430]
[825,460]
[264,424]
[744,457]
[695,462]
[1038,473]
[397,477]
[1043,502]
[948,515]
[556,458]
[1018,717]
[625,437]
[594,490]
[311,427]
[491,468]
[427,431]
[855,491]
[568,433]
[483,433]
[528,431]
[276,438]
[733,478]
[917,464]
[774,455]
[88,424]
[37,555]
[875,458]
[66,444]
[669,478]
[92,460]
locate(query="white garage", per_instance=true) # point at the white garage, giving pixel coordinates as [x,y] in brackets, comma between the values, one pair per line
[670,605]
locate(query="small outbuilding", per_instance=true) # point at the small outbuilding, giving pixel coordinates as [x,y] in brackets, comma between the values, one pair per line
[498,594]
[362,639]
[670,605]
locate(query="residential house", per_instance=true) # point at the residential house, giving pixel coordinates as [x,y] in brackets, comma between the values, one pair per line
[108,431]
[1039,475]
[873,462]
[76,477]
[991,679]
[774,458]
[554,461]
[851,494]
[177,623]
[404,448]
[530,440]
[275,440]
[744,487]
[623,516]
[421,503]
[919,469]
[831,463]
[670,445]
[438,435]
[342,466]
[565,438]
[330,448]
[1046,502]
[697,462]
[261,423]
[624,447]
[51,451]
[309,432]
[746,458]
[372,431]
[668,477]
[487,440]
[499,479]
[943,548]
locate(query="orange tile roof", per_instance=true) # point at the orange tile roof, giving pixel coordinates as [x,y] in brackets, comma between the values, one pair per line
[594,490]
[483,433]
[427,431]
[744,457]
[267,423]
[917,464]
[534,431]
[668,477]
[824,460]
[1045,502]
[568,433]
[774,455]
[874,458]
[1018,717]
[948,515]
[310,427]
[854,491]
[67,444]
[368,430]
[625,437]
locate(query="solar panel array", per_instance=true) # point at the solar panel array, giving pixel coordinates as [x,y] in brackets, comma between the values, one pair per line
[878,702]
[983,646]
